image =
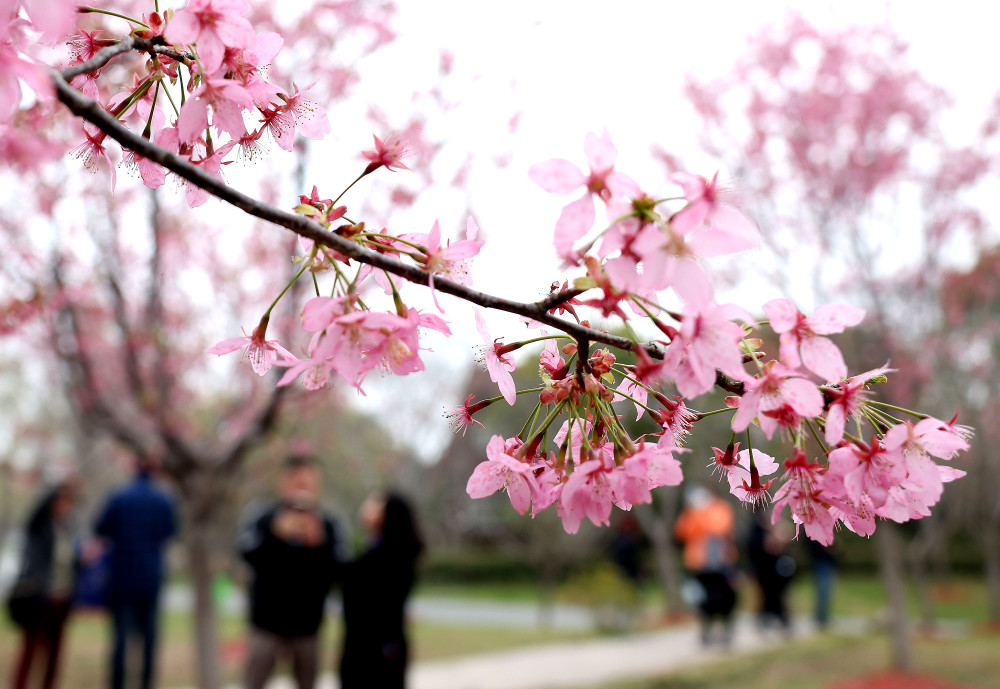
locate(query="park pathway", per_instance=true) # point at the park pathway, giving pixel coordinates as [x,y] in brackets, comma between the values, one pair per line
[581,663]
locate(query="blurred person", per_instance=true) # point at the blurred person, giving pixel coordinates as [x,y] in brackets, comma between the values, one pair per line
[42,597]
[292,550]
[772,566]
[376,586]
[136,524]
[705,527]
[824,569]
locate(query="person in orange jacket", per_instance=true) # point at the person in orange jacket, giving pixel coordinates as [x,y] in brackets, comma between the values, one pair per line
[705,527]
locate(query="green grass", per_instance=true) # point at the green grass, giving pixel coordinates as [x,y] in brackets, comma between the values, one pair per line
[818,662]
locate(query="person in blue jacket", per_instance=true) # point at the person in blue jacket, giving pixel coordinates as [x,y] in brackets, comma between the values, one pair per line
[136,524]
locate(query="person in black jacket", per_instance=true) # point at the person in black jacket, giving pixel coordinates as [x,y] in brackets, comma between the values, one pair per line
[376,587]
[43,593]
[292,551]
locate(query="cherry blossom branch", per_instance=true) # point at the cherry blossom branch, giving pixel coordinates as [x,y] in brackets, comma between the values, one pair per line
[129,43]
[92,111]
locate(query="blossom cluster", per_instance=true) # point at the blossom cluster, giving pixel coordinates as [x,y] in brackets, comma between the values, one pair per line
[207,100]
[804,396]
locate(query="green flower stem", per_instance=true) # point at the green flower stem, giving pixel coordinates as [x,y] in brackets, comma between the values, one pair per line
[267,314]
[703,414]
[669,198]
[546,337]
[152,109]
[171,99]
[347,188]
[315,283]
[815,435]
[548,422]
[95,10]
[530,420]
[914,414]
[753,465]
[634,400]
[586,247]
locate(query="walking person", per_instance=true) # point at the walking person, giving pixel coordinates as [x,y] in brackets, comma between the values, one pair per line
[772,566]
[705,527]
[136,524]
[42,596]
[376,586]
[292,550]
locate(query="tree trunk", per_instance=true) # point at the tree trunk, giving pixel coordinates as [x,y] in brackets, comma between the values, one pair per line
[657,522]
[890,561]
[206,638]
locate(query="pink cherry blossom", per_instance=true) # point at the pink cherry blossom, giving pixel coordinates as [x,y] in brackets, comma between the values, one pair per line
[848,397]
[308,117]
[708,341]
[213,25]
[501,471]
[777,397]
[744,478]
[802,495]
[867,471]
[388,153]
[801,335]
[498,363]
[559,176]
[227,100]
[460,417]
[723,228]
[588,494]
[261,353]
[929,436]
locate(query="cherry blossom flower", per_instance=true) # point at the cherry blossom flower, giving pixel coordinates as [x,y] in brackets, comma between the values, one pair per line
[498,364]
[560,176]
[451,261]
[848,397]
[725,461]
[800,334]
[778,397]
[708,341]
[261,353]
[213,25]
[724,229]
[460,417]
[866,471]
[308,116]
[92,152]
[227,99]
[929,436]
[587,493]
[388,153]
[801,493]
[501,471]
[744,478]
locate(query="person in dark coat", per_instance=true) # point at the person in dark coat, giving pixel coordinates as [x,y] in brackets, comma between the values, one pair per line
[292,550]
[43,593]
[772,567]
[376,587]
[136,524]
